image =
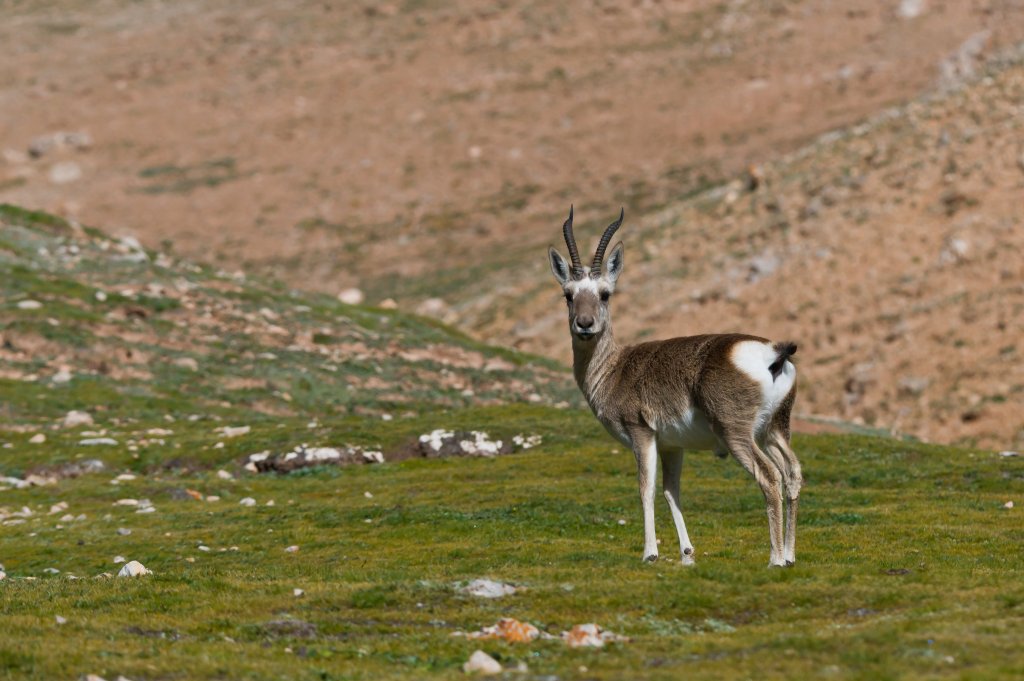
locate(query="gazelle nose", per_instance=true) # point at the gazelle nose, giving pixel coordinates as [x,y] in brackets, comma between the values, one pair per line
[584,321]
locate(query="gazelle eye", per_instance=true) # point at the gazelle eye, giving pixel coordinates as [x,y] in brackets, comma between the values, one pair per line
[605,295]
[568,297]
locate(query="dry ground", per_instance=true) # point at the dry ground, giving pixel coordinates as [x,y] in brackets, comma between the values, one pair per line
[422,149]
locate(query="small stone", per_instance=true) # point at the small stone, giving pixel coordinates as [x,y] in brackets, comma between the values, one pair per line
[298,593]
[388,304]
[910,9]
[61,620]
[58,507]
[203,547]
[292,549]
[213,498]
[62,376]
[93,441]
[51,571]
[248,501]
[352,296]
[487,588]
[368,495]
[186,363]
[224,475]
[73,419]
[1008,504]
[37,439]
[234,431]
[133,569]
[126,502]
[119,559]
[123,531]
[29,305]
[481,663]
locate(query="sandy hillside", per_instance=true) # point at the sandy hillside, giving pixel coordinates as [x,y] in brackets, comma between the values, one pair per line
[428,150]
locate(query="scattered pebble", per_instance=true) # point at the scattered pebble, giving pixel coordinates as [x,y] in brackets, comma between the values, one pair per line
[487,588]
[133,569]
[37,439]
[203,547]
[51,571]
[481,663]
[119,559]
[224,475]
[73,419]
[61,620]
[29,305]
[89,442]
[234,431]
[213,498]
[352,296]
[292,549]
[1008,504]
[123,531]
[368,495]
[248,501]
[186,363]
[58,507]
[298,593]
[590,636]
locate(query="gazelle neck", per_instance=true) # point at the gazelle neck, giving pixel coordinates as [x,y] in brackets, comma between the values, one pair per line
[592,361]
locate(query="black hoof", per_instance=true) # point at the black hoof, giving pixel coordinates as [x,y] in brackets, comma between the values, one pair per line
[790,563]
[651,559]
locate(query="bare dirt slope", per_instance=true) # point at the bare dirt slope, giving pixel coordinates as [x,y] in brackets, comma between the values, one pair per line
[422,149]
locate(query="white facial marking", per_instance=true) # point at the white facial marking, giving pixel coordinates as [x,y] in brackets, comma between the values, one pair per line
[753,358]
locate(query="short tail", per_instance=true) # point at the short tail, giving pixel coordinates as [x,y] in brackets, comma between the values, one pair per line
[785,350]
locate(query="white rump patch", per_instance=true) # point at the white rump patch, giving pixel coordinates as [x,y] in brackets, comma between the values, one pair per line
[753,358]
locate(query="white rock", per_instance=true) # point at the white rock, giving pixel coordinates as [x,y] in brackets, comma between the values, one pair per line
[51,571]
[63,375]
[1008,504]
[292,549]
[119,559]
[58,507]
[373,457]
[298,593]
[73,419]
[270,503]
[233,431]
[133,569]
[910,9]
[203,547]
[126,502]
[1009,453]
[488,588]
[123,531]
[213,498]
[29,305]
[125,477]
[481,663]
[368,495]
[352,296]
[93,677]
[388,304]
[186,363]
[37,439]
[224,475]
[93,441]
[248,501]
[61,620]
[3,575]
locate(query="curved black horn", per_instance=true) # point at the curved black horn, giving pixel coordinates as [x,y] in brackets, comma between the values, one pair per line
[595,269]
[570,241]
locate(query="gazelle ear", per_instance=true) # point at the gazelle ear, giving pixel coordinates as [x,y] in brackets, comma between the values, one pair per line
[559,267]
[615,263]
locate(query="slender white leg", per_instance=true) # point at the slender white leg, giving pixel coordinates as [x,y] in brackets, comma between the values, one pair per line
[671,469]
[769,478]
[646,451]
[792,482]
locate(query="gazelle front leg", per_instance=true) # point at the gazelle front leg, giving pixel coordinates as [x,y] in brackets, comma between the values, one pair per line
[671,469]
[646,451]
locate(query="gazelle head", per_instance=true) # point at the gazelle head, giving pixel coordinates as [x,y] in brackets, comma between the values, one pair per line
[588,293]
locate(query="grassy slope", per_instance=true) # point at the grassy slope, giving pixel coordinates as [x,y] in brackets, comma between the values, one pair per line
[379,571]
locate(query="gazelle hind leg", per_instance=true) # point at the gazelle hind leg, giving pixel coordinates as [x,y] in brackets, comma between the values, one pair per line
[792,481]
[769,478]
[671,470]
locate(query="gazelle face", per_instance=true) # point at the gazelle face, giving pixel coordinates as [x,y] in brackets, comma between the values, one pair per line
[587,298]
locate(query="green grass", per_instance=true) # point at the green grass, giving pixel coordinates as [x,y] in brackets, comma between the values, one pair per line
[908,563]
[379,572]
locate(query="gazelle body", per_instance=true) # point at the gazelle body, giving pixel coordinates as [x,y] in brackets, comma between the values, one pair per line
[730,393]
